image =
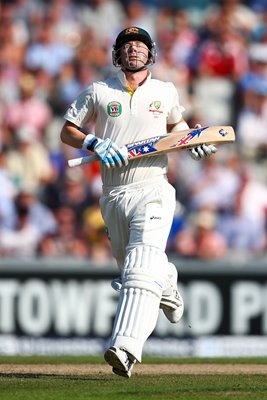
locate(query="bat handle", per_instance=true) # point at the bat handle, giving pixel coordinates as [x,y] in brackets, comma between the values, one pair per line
[75,162]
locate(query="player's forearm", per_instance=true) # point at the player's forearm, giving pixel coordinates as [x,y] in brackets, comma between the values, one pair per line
[71,135]
[178,126]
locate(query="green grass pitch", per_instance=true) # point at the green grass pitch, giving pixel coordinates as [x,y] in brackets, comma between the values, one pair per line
[20,384]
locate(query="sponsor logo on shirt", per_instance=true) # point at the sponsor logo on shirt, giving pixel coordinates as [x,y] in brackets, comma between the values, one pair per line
[156,108]
[114,109]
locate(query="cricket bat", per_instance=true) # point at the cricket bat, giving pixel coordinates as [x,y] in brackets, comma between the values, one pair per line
[170,142]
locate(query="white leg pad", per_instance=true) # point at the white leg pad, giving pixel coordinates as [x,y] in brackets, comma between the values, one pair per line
[143,282]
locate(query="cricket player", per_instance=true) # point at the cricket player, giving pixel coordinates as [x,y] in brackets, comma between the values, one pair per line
[137,203]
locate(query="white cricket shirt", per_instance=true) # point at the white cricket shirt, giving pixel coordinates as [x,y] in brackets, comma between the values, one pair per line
[126,117]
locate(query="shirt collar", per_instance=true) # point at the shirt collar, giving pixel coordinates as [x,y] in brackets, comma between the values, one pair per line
[122,78]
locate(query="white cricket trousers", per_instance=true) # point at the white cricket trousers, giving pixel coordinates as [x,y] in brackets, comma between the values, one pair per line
[138,218]
[138,214]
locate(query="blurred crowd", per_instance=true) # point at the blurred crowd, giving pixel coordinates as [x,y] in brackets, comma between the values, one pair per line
[215,52]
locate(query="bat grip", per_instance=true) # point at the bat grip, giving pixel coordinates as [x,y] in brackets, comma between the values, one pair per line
[75,162]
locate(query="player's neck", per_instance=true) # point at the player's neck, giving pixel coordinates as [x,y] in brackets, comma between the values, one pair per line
[135,79]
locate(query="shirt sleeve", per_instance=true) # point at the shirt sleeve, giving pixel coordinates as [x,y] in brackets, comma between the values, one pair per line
[82,109]
[176,109]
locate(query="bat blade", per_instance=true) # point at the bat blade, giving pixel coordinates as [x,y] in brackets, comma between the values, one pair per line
[181,140]
[171,142]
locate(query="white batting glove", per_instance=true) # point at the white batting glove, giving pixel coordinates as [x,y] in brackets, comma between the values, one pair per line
[116,157]
[203,150]
[109,152]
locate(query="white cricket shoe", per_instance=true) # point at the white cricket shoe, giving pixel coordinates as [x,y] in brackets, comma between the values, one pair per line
[120,360]
[172,305]
[171,301]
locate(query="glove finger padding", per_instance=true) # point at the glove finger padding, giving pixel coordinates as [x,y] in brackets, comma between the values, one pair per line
[123,154]
[116,157]
[213,148]
[109,161]
[194,153]
[102,148]
[209,149]
[202,151]
[113,158]
[111,154]
[119,156]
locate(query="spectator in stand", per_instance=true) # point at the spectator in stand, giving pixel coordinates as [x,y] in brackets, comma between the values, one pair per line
[103,18]
[240,16]
[196,9]
[23,239]
[185,38]
[213,186]
[167,69]
[76,193]
[93,53]
[256,71]
[28,110]
[139,13]
[67,240]
[253,199]
[12,42]
[176,43]
[11,57]
[45,87]
[28,162]
[28,10]
[66,87]
[46,51]
[39,215]
[201,239]
[7,195]
[223,53]
[252,120]
[63,17]
[218,63]
[252,111]
[243,232]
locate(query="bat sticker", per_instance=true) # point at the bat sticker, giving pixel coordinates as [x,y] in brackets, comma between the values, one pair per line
[146,146]
[223,132]
[186,139]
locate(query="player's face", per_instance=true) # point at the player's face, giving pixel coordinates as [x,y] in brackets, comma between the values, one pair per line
[134,55]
